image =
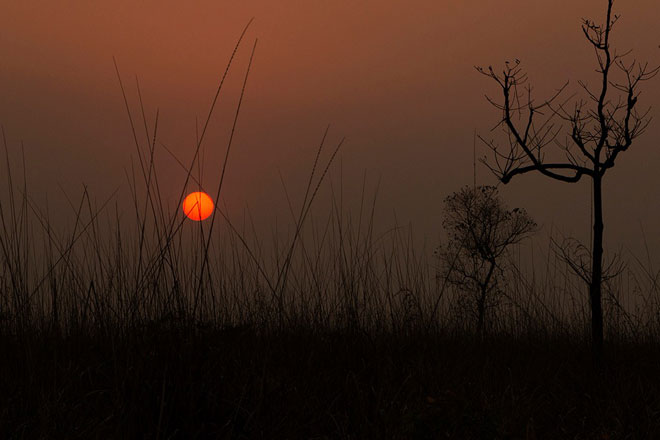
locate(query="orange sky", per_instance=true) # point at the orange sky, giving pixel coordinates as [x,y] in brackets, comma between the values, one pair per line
[396,78]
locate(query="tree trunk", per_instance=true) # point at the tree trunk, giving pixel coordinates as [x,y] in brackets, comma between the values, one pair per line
[480,313]
[481,303]
[596,273]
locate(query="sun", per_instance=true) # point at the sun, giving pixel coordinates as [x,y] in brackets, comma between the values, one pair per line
[198,206]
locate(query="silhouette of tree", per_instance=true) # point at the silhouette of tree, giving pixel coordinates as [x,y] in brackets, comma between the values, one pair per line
[601,125]
[480,230]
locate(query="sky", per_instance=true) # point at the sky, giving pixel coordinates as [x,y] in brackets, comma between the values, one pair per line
[395,78]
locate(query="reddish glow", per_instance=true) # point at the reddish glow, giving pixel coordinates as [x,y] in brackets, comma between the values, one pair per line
[198,206]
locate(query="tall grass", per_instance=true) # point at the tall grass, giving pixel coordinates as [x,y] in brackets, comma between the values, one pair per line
[113,270]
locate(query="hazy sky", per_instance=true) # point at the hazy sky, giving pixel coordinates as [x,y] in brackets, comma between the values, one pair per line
[396,78]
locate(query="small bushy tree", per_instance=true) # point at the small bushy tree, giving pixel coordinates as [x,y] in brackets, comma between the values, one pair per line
[480,230]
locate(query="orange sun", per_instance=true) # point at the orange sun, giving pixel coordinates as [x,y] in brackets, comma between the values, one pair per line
[198,206]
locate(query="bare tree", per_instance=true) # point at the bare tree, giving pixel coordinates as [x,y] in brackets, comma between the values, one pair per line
[600,127]
[480,230]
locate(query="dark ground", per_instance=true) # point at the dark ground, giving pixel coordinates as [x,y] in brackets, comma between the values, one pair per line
[236,383]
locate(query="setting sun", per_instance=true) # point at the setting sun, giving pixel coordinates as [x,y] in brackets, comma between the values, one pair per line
[198,206]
